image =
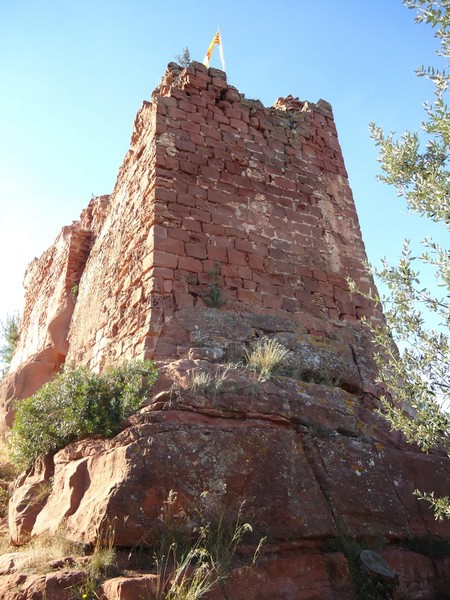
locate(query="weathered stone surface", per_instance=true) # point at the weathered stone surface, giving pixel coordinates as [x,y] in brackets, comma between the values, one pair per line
[26,380]
[301,577]
[213,464]
[221,335]
[442,583]
[130,588]
[60,585]
[416,574]
[30,495]
[280,451]
[49,299]
[382,480]
[220,198]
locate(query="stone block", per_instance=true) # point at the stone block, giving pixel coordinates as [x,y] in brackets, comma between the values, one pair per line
[196,250]
[237,258]
[190,264]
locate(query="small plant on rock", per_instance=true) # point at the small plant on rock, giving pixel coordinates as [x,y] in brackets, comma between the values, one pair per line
[266,356]
[184,59]
[104,554]
[205,382]
[213,297]
[224,536]
[190,574]
[186,576]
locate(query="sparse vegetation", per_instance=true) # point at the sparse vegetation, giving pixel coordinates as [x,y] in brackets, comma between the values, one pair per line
[7,474]
[184,59]
[213,296]
[102,560]
[4,501]
[104,553]
[9,332]
[223,537]
[266,356]
[190,574]
[322,376]
[48,547]
[78,403]
[207,383]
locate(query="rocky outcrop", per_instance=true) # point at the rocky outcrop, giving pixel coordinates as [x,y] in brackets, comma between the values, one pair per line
[229,222]
[308,460]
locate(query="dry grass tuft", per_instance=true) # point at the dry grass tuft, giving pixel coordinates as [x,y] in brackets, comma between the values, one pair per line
[49,547]
[265,356]
[207,383]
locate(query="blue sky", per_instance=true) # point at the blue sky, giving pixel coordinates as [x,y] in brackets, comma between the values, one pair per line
[74,73]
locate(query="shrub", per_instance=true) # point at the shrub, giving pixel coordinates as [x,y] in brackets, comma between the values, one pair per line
[265,356]
[78,403]
[9,331]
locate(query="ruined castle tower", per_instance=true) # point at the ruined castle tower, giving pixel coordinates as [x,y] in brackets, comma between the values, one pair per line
[228,221]
[212,182]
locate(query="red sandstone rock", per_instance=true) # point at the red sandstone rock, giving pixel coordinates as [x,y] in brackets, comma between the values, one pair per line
[214,465]
[60,585]
[27,500]
[130,588]
[279,451]
[213,177]
[302,577]
[26,380]
[416,574]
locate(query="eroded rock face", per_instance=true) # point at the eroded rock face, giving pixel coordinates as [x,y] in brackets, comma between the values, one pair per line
[307,460]
[51,290]
[26,380]
[300,455]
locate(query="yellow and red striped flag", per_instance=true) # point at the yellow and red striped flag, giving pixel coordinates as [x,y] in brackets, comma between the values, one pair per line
[217,41]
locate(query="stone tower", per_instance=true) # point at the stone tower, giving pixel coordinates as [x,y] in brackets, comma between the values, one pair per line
[211,181]
[221,198]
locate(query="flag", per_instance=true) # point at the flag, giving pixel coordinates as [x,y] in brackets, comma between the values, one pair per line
[217,41]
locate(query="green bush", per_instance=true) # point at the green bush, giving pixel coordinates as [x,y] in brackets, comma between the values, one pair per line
[9,332]
[78,403]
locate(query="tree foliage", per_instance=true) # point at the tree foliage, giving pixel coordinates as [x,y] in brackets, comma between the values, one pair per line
[184,59]
[9,331]
[418,375]
[78,403]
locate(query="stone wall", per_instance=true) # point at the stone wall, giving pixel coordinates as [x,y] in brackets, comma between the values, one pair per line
[50,290]
[213,186]
[51,286]
[212,182]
